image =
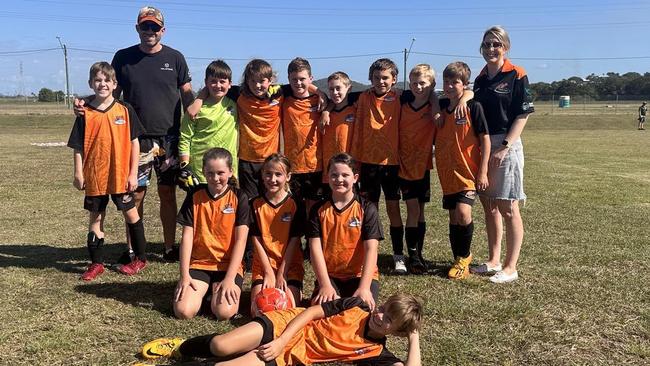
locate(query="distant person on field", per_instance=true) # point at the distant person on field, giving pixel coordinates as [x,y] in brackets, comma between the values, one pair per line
[643,110]
[155,79]
[503,90]
[462,152]
[105,143]
[215,125]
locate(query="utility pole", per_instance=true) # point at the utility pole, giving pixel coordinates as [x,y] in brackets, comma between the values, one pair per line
[67,80]
[406,56]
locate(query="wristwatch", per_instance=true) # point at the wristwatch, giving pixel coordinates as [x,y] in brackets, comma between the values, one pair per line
[506,144]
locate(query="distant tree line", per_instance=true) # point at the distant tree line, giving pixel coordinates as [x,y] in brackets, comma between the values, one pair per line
[629,86]
[49,95]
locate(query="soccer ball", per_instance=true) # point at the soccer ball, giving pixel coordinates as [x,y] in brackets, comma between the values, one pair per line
[270,299]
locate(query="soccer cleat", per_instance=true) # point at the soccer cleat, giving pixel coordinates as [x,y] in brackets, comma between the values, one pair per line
[415,265]
[94,270]
[460,269]
[162,347]
[400,265]
[132,268]
[126,257]
[171,255]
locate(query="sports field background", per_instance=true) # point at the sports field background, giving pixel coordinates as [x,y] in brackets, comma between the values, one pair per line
[582,298]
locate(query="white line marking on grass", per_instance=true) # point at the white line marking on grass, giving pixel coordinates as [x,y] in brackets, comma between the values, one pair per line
[48,144]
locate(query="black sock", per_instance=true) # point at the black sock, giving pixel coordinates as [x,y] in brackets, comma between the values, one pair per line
[95,248]
[412,241]
[453,239]
[396,237]
[422,229]
[197,346]
[465,234]
[138,241]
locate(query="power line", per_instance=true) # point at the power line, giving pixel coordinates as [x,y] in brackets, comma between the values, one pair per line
[334,57]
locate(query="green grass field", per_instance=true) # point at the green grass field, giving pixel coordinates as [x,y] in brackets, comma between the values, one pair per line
[583,296]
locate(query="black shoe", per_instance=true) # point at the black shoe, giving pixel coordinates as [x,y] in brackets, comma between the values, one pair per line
[171,255]
[415,265]
[126,257]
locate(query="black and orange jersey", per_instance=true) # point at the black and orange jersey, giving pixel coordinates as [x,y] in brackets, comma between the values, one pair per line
[342,233]
[458,153]
[104,138]
[416,129]
[376,134]
[338,135]
[503,97]
[214,220]
[342,335]
[275,225]
[259,124]
[300,117]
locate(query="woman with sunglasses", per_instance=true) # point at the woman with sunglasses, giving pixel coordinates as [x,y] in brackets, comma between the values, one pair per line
[503,90]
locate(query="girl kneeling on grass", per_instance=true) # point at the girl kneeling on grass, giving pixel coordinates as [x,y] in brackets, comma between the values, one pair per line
[215,227]
[276,227]
[344,234]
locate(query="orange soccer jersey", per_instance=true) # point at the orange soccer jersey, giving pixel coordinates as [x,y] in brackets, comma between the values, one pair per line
[300,117]
[376,133]
[214,220]
[457,152]
[338,135]
[104,137]
[340,336]
[259,125]
[275,225]
[416,130]
[342,233]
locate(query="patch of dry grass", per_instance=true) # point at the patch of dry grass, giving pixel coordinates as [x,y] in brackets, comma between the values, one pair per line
[582,297]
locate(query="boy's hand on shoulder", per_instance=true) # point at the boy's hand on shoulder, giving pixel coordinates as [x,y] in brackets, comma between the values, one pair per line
[366,296]
[322,101]
[324,121]
[78,107]
[461,109]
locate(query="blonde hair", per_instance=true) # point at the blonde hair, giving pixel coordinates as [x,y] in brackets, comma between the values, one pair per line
[340,75]
[406,310]
[424,70]
[103,67]
[500,34]
[278,158]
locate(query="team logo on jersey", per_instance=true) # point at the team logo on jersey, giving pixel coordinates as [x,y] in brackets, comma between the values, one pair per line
[502,88]
[286,217]
[389,98]
[273,102]
[526,106]
[349,118]
[354,222]
[461,121]
[166,67]
[228,209]
[119,120]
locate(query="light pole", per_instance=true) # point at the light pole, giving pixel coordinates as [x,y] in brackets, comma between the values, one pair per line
[406,56]
[67,80]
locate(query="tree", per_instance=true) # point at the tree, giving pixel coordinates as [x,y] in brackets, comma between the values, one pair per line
[46,95]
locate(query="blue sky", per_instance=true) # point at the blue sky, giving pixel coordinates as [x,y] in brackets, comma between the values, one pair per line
[552,39]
